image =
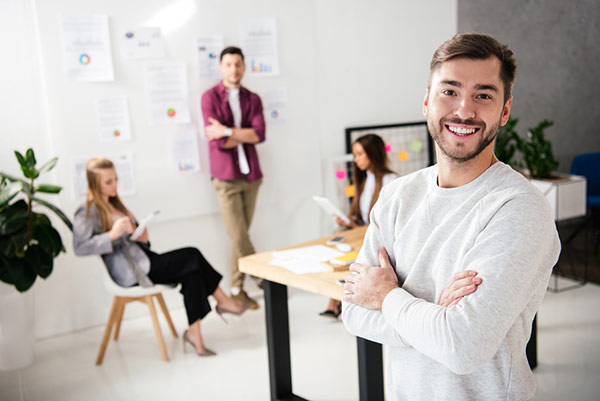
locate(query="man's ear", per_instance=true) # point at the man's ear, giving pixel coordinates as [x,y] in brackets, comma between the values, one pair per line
[425,102]
[506,112]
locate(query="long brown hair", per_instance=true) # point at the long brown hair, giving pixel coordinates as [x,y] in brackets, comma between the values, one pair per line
[93,192]
[375,149]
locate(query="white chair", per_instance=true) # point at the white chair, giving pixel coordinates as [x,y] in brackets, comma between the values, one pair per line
[124,295]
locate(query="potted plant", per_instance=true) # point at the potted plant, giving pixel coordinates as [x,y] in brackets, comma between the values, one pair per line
[28,245]
[506,142]
[564,193]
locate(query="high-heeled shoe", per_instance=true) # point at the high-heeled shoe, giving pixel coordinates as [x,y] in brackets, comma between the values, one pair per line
[220,311]
[186,339]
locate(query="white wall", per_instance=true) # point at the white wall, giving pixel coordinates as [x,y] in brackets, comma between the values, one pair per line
[345,63]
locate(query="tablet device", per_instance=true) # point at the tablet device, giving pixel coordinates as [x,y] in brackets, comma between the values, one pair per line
[330,208]
[140,229]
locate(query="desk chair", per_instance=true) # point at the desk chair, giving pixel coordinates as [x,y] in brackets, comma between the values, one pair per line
[124,295]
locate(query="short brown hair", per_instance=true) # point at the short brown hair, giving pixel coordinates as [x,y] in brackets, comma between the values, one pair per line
[477,46]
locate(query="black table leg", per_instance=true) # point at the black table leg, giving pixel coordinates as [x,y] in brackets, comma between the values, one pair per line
[278,342]
[531,349]
[370,370]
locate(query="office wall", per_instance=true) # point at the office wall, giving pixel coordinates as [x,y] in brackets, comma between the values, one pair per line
[556,45]
[345,63]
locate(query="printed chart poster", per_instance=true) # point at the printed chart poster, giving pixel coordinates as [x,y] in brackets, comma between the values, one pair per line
[184,151]
[259,43]
[208,51]
[113,119]
[87,48]
[123,165]
[275,105]
[167,92]
[140,43]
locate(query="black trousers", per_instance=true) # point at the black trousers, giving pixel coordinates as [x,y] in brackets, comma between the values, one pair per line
[188,267]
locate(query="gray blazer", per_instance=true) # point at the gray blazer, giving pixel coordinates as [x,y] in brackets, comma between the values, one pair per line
[120,256]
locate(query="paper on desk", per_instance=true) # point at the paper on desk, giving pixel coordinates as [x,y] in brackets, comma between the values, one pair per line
[306,259]
[140,229]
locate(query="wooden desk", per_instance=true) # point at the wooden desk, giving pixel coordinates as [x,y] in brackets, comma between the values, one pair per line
[277,279]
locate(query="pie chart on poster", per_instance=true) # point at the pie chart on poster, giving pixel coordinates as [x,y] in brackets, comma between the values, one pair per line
[84,59]
[171,112]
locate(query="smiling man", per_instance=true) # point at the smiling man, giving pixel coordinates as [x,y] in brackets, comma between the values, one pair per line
[469,211]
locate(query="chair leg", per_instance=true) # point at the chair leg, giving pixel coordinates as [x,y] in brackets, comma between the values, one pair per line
[111,320]
[163,306]
[118,319]
[161,342]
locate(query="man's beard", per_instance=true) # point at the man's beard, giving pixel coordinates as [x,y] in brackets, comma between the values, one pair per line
[486,138]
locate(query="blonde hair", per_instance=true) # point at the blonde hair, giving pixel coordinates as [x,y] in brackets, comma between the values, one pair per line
[93,166]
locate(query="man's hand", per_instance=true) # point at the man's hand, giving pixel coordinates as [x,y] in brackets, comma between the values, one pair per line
[367,286]
[215,130]
[462,284]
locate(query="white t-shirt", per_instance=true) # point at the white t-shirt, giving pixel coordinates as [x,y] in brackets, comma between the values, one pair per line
[498,225]
[236,110]
[367,193]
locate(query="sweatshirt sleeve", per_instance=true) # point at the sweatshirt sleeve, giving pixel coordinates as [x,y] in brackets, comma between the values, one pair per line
[513,254]
[367,323]
[85,241]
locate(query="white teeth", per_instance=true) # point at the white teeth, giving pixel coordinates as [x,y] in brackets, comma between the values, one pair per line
[461,131]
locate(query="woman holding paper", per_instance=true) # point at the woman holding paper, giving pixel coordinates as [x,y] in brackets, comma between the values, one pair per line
[103,226]
[371,173]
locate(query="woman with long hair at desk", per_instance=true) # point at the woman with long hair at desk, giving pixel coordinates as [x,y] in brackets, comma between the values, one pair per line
[371,173]
[103,226]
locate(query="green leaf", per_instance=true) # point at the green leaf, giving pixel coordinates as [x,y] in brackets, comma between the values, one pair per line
[4,273]
[39,260]
[48,189]
[30,157]
[12,221]
[48,238]
[9,192]
[20,274]
[56,210]
[12,178]
[20,159]
[49,165]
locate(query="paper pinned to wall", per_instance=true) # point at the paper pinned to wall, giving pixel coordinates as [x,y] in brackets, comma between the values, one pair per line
[275,105]
[142,42]
[167,92]
[113,119]
[86,45]
[208,50]
[184,151]
[259,44]
[123,165]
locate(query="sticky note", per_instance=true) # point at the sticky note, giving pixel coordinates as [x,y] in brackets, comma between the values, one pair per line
[388,148]
[403,156]
[340,174]
[350,191]
[416,146]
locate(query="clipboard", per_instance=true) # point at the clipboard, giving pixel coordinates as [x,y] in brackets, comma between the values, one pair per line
[330,208]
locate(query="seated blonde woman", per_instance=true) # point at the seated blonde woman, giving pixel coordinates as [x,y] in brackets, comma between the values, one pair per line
[102,226]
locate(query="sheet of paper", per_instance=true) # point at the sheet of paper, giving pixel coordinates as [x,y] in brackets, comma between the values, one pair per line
[275,105]
[86,44]
[208,50]
[142,42]
[184,151]
[259,44]
[299,266]
[113,119]
[167,92]
[320,253]
[143,225]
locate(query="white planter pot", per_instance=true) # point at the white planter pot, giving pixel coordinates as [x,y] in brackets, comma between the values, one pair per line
[566,195]
[16,328]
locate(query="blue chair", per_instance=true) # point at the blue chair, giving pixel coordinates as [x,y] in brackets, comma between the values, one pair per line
[588,165]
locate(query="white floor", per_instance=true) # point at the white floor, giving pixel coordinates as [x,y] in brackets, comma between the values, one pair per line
[323,358]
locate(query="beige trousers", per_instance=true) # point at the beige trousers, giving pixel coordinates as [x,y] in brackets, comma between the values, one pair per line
[237,199]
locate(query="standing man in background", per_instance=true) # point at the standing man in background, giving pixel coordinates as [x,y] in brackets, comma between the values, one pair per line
[234,124]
